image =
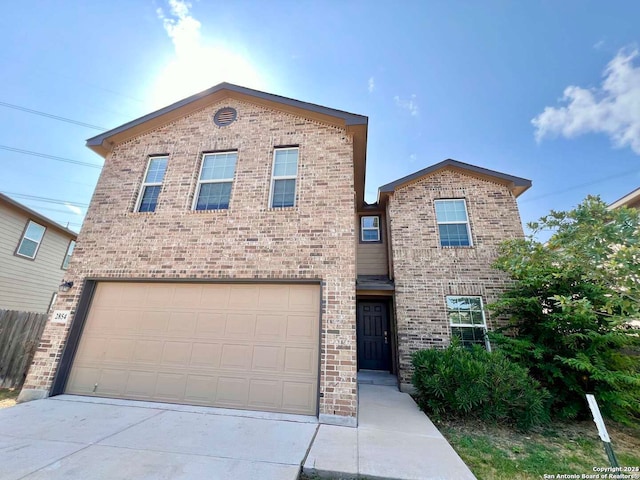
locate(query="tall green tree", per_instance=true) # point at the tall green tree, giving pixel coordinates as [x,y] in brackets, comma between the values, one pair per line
[571,308]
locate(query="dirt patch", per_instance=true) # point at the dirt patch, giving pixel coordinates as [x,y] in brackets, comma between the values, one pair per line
[8,397]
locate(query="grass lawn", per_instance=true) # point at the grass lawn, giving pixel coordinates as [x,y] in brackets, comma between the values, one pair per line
[559,448]
[8,397]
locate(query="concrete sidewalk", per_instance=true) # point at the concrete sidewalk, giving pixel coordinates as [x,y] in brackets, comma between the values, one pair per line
[394,440]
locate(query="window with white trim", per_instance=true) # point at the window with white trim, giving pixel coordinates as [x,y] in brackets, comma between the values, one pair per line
[466,317]
[215,181]
[453,223]
[31,240]
[370,228]
[152,184]
[283,178]
[67,257]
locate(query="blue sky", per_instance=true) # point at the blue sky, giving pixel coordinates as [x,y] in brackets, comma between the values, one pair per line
[545,90]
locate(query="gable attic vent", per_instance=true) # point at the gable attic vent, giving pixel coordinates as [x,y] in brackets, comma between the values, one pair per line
[225,116]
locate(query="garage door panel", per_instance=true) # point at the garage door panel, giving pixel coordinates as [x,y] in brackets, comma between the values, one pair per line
[236,356]
[112,381]
[201,388]
[176,354]
[232,391]
[170,386]
[267,358]
[119,350]
[305,299]
[182,324]
[160,295]
[265,394]
[275,298]
[238,346]
[210,325]
[92,350]
[301,361]
[298,396]
[83,379]
[206,355]
[148,351]
[270,327]
[240,325]
[302,328]
[244,297]
[154,322]
[132,294]
[140,384]
[215,296]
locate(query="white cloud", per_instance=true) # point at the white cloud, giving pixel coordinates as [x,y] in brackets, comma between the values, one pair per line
[412,157]
[372,84]
[599,44]
[197,64]
[612,109]
[411,105]
[74,209]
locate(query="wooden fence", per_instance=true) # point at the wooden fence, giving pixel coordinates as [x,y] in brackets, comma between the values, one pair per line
[19,337]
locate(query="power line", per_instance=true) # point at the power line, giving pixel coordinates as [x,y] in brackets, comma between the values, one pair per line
[54,117]
[56,210]
[46,199]
[52,157]
[575,187]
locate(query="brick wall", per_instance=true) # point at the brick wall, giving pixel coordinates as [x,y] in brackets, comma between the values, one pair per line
[425,272]
[314,240]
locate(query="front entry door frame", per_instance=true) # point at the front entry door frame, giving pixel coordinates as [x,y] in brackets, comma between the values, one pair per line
[374,334]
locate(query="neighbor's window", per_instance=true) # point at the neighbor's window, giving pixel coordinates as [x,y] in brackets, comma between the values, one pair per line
[453,223]
[67,257]
[466,317]
[283,180]
[216,178]
[148,198]
[370,229]
[31,239]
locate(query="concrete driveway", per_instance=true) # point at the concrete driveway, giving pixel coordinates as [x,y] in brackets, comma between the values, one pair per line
[69,437]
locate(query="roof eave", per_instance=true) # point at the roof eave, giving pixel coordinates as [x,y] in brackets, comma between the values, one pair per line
[103,143]
[38,216]
[517,185]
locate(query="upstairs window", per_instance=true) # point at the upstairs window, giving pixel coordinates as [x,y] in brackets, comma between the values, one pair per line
[283,179]
[31,239]
[453,223]
[370,229]
[153,178]
[216,178]
[466,317]
[67,257]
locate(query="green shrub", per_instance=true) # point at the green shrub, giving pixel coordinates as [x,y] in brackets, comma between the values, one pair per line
[463,383]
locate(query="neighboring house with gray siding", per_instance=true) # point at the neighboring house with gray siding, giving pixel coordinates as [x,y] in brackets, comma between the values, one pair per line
[228,258]
[34,255]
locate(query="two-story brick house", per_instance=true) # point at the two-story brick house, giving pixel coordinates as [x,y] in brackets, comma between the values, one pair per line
[228,258]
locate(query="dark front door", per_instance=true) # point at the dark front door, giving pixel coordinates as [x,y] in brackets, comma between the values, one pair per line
[373,336]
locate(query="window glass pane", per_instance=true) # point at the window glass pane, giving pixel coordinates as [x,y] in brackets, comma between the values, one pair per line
[219,166]
[450,211]
[370,235]
[214,196]
[67,257]
[469,335]
[157,167]
[286,163]
[149,199]
[455,235]
[34,231]
[28,248]
[370,222]
[284,193]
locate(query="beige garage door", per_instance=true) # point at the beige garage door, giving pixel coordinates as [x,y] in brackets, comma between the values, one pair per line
[239,346]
